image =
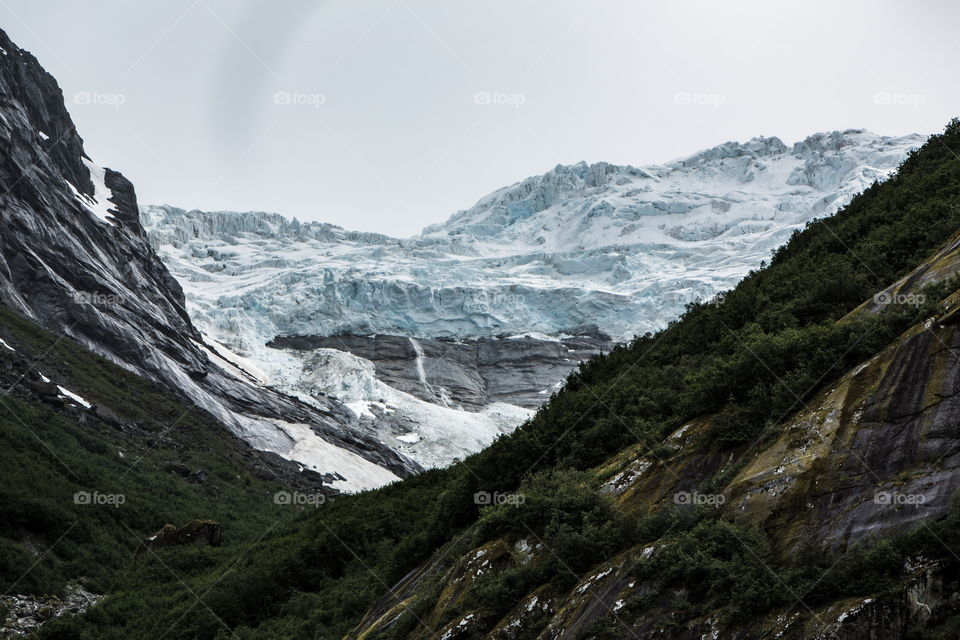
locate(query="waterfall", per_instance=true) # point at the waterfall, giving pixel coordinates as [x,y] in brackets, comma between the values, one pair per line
[443,396]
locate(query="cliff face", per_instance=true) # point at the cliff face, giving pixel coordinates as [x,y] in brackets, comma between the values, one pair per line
[75,258]
[472,373]
[63,258]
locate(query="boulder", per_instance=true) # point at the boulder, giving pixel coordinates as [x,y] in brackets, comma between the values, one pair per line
[197,532]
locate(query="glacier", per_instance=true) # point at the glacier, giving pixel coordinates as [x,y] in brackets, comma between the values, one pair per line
[587,249]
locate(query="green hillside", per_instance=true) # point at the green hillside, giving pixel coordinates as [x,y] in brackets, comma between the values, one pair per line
[738,369]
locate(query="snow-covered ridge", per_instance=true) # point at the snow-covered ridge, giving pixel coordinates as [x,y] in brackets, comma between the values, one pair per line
[729,190]
[187,226]
[622,247]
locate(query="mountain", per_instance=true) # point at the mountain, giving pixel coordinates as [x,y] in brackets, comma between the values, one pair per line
[75,258]
[779,463]
[620,247]
[443,341]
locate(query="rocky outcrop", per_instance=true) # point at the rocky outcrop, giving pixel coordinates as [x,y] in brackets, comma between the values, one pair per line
[469,373]
[607,597]
[196,532]
[878,452]
[24,614]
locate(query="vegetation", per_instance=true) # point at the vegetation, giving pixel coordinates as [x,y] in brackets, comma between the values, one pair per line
[57,461]
[750,361]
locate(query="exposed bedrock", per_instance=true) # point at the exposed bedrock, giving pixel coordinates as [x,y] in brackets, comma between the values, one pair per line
[470,373]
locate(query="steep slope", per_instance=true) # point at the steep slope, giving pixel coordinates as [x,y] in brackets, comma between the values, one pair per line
[74,257]
[94,459]
[771,503]
[454,335]
[777,464]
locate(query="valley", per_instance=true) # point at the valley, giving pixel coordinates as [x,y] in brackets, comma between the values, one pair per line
[709,399]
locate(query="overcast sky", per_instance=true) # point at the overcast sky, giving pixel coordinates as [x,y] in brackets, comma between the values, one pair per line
[391,115]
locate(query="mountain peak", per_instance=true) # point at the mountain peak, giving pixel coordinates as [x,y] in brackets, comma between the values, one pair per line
[756,147]
[603,203]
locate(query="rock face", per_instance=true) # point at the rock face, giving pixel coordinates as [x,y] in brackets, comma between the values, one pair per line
[75,258]
[880,451]
[467,373]
[196,532]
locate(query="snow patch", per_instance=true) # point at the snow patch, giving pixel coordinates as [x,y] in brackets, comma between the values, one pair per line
[361,409]
[312,451]
[99,205]
[445,433]
[74,397]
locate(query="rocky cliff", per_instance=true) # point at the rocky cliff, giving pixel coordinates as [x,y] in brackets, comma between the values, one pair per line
[468,373]
[75,258]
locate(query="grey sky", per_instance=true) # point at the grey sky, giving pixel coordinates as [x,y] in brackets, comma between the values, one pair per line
[382,121]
